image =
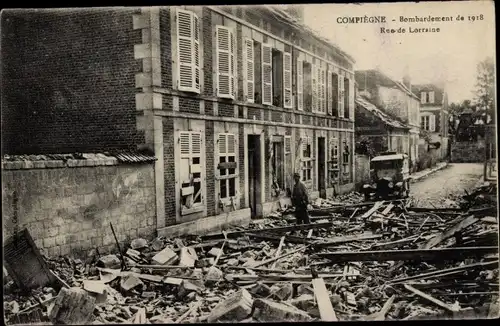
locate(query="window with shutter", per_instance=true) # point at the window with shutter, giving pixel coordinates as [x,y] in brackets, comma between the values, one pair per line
[333,164]
[227,167]
[431,97]
[423,97]
[351,98]
[249,83]
[190,172]
[300,84]
[306,159]
[432,123]
[288,162]
[314,78]
[267,75]
[225,62]
[341,96]
[188,51]
[329,92]
[232,52]
[287,80]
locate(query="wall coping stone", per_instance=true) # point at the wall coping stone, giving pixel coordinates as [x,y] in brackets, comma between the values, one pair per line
[88,160]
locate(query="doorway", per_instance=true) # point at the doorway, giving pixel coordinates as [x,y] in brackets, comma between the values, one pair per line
[254,175]
[321,167]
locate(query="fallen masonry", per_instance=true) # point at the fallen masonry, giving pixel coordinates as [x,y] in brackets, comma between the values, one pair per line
[377,261]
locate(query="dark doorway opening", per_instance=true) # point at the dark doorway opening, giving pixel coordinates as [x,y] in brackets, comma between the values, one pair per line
[321,168]
[254,175]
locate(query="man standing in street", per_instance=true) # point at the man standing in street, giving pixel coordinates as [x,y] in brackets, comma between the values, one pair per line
[300,200]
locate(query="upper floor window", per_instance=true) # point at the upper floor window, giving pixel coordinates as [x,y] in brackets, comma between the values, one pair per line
[347,89]
[423,97]
[188,51]
[428,122]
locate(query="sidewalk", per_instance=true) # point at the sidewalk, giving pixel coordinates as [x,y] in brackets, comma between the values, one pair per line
[424,173]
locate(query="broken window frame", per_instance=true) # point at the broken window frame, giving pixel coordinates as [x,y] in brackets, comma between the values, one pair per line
[333,161]
[306,159]
[193,153]
[227,177]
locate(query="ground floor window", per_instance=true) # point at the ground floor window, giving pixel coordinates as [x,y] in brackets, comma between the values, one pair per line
[306,157]
[227,166]
[190,170]
[333,161]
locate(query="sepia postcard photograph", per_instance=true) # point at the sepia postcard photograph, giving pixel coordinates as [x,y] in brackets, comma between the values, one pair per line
[249,163]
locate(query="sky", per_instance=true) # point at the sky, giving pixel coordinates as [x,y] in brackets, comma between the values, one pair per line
[450,56]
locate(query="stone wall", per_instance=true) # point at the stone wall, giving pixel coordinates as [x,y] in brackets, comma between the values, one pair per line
[468,152]
[68,209]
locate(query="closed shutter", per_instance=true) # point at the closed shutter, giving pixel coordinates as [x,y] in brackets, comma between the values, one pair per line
[287,79]
[341,96]
[300,84]
[432,123]
[314,72]
[329,92]
[185,50]
[351,98]
[232,52]
[222,144]
[231,144]
[185,144]
[249,84]
[267,75]
[225,69]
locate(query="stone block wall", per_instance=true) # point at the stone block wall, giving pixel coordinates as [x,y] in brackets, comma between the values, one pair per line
[468,152]
[68,208]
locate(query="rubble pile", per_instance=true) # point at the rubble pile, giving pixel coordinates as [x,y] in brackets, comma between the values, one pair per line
[355,261]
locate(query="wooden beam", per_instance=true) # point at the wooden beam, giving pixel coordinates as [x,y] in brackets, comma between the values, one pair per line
[409,254]
[322,295]
[372,210]
[344,239]
[233,234]
[451,231]
[452,308]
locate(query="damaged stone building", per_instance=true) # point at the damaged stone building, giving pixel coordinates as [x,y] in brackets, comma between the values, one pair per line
[231,101]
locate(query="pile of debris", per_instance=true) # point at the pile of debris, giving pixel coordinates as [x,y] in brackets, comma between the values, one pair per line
[358,261]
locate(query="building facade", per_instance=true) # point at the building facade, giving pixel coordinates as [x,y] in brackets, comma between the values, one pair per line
[231,101]
[434,115]
[397,102]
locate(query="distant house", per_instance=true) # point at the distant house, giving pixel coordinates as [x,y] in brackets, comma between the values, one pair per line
[393,104]
[434,115]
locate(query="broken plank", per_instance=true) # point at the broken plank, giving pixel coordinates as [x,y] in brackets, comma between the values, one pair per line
[372,210]
[282,256]
[279,278]
[195,306]
[451,231]
[275,229]
[344,239]
[322,296]
[396,243]
[380,315]
[452,308]
[388,209]
[409,254]
[278,251]
[275,238]
[445,272]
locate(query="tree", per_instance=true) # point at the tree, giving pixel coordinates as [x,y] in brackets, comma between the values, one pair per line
[485,87]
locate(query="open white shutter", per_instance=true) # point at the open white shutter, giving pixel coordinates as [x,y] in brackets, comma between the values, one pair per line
[185,144]
[341,95]
[185,50]
[267,75]
[249,84]
[323,91]
[432,123]
[329,92]
[196,52]
[287,80]
[431,97]
[351,98]
[314,79]
[224,62]
[422,97]
[222,144]
[300,84]
[232,53]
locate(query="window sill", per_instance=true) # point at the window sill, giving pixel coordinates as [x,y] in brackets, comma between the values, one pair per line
[189,211]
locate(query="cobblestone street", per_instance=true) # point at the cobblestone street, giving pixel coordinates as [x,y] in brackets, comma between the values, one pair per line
[438,188]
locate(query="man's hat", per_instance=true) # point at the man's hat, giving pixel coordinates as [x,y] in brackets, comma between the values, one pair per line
[296,175]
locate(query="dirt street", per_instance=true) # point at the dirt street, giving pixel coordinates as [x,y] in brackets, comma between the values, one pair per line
[446,184]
